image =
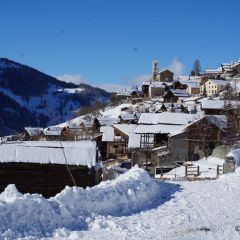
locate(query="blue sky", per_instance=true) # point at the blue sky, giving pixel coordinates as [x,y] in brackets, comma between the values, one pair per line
[112,43]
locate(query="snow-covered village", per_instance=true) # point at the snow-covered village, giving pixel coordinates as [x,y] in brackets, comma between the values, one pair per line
[119,124]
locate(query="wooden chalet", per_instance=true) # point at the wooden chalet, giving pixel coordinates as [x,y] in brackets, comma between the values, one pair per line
[41,167]
[129,118]
[173,95]
[154,128]
[33,134]
[116,138]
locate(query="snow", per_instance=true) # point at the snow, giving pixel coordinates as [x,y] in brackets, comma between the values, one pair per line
[134,140]
[127,129]
[167,118]
[115,112]
[207,168]
[71,90]
[52,131]
[77,153]
[218,82]
[180,93]
[75,208]
[134,206]
[33,131]
[159,128]
[108,133]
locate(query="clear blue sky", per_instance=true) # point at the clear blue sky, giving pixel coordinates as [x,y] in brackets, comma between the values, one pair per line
[114,42]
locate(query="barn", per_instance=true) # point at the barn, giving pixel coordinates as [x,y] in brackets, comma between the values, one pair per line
[47,167]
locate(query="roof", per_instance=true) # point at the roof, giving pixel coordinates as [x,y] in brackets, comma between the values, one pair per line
[128,116]
[159,128]
[134,140]
[50,152]
[218,82]
[33,131]
[108,133]
[165,70]
[125,128]
[180,92]
[167,118]
[193,84]
[106,121]
[53,131]
[218,120]
[157,84]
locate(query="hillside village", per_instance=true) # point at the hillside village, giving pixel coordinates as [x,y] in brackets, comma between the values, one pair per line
[167,123]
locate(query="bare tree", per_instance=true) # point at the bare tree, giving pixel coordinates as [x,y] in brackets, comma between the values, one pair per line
[196,68]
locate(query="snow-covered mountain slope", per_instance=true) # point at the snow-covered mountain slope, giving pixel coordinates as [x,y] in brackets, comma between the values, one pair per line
[134,206]
[38,99]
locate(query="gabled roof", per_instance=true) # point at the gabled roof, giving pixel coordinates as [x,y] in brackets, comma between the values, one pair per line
[219,121]
[165,70]
[125,128]
[167,118]
[33,131]
[157,84]
[52,131]
[159,128]
[128,116]
[179,92]
[218,82]
[106,121]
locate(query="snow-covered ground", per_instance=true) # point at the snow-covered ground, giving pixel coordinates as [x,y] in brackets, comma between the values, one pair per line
[134,206]
[207,168]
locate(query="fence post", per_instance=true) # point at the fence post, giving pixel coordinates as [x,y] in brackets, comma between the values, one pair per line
[198,171]
[186,171]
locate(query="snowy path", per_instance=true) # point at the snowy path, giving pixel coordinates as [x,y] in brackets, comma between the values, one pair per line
[134,206]
[200,210]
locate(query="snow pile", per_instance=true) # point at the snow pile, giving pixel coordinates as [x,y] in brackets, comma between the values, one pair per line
[75,208]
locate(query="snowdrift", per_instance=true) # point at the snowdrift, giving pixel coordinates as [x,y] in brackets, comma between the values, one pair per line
[74,208]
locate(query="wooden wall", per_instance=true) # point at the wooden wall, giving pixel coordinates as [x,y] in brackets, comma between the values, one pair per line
[46,179]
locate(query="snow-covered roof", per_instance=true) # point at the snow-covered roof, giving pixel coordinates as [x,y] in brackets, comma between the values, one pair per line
[125,128]
[157,84]
[105,121]
[52,131]
[180,92]
[128,116]
[218,82]
[193,85]
[33,131]
[108,133]
[214,71]
[167,118]
[218,120]
[217,104]
[134,140]
[159,128]
[77,153]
